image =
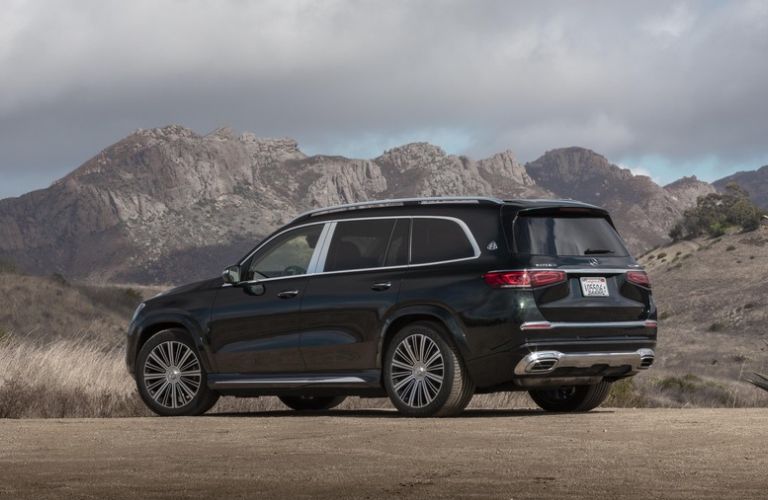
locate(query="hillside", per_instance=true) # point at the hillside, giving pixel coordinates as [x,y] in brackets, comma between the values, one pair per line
[169,205]
[755,182]
[47,309]
[712,296]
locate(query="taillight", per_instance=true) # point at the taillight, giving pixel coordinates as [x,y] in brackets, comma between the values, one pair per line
[639,278]
[524,279]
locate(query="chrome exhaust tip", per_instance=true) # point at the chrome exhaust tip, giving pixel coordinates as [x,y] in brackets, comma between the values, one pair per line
[542,362]
[647,357]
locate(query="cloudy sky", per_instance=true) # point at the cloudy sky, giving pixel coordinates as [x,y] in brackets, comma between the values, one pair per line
[665,88]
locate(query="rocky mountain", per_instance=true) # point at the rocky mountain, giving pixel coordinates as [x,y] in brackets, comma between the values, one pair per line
[170,205]
[755,182]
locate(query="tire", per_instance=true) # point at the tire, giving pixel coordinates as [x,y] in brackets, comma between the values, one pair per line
[572,398]
[416,382]
[312,403]
[163,386]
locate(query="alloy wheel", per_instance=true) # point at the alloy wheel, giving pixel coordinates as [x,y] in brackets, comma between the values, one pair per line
[172,374]
[417,370]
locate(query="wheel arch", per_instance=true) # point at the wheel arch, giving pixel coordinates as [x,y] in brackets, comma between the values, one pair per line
[409,315]
[154,324]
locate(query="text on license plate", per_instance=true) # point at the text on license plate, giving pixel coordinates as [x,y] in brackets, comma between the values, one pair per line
[594,287]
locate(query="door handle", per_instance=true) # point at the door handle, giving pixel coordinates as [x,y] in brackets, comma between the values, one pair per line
[380,287]
[288,294]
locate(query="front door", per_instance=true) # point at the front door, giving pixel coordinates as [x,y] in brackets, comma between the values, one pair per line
[255,324]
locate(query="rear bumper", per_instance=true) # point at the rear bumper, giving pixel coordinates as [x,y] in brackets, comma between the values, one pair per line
[549,353]
[543,362]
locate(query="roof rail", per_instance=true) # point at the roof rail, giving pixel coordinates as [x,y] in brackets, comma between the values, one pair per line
[483,200]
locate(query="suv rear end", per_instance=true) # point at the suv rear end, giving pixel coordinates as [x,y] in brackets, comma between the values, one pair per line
[586,313]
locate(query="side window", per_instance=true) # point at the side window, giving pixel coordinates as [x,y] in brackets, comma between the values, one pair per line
[399,244]
[436,240]
[288,255]
[359,244]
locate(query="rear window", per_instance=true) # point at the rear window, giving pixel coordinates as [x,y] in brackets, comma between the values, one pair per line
[569,236]
[436,240]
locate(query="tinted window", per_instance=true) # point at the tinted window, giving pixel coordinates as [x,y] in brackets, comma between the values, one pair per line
[436,240]
[359,244]
[567,236]
[287,255]
[397,254]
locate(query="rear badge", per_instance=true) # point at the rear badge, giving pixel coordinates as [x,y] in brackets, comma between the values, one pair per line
[492,246]
[593,262]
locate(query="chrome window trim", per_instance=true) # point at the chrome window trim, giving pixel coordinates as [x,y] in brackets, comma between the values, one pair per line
[326,236]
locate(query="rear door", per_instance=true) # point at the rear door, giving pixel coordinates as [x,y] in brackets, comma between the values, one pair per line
[344,306]
[585,245]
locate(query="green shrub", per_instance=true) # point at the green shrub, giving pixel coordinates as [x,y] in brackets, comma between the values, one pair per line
[133,295]
[686,383]
[716,212]
[716,327]
[626,394]
[8,267]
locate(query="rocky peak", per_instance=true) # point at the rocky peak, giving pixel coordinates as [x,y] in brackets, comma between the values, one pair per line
[410,155]
[688,189]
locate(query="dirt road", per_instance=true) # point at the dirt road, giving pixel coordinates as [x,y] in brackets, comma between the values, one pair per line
[373,454]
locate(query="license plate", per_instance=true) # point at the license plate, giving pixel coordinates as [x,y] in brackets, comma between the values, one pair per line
[594,287]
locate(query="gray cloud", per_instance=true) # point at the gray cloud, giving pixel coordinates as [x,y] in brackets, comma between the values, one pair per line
[676,81]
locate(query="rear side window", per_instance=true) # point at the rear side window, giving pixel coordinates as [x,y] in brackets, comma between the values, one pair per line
[567,236]
[359,244]
[435,240]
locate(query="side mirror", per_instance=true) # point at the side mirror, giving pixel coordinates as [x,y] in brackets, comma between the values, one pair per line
[231,275]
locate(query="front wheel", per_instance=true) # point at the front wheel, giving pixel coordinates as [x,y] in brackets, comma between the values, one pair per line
[424,374]
[572,398]
[170,376]
[312,403]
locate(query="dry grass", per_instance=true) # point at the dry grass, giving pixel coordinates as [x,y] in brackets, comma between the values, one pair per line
[72,378]
[64,378]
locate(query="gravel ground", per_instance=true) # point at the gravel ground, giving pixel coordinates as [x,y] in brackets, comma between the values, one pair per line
[608,453]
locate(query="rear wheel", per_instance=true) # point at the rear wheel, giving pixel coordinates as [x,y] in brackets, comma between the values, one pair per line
[170,376]
[424,374]
[572,398]
[312,403]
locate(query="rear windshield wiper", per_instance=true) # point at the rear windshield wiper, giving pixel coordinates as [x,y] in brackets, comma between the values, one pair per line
[593,251]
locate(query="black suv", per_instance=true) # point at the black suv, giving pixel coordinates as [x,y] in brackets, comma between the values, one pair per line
[427,300]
